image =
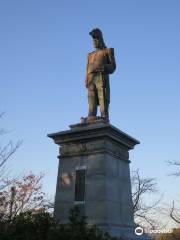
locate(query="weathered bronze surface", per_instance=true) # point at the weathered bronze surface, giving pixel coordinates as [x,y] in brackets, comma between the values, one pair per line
[100,64]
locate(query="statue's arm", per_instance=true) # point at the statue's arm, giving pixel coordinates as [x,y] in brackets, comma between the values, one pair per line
[111,66]
[86,78]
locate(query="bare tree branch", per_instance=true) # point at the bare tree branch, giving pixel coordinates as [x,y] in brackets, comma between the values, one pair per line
[141,187]
[6,152]
[176,164]
[174,214]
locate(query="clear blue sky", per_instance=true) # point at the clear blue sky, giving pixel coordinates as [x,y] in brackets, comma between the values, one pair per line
[43,48]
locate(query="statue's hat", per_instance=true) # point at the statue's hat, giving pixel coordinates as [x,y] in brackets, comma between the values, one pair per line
[96,33]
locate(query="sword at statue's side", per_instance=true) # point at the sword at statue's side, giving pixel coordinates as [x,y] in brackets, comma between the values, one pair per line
[104,95]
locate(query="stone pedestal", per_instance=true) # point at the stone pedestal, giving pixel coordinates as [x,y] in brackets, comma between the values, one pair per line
[103,151]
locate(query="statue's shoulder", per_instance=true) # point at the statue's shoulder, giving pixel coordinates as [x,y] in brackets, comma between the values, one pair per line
[90,53]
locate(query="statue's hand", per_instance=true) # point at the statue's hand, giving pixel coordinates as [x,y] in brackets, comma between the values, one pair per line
[101,69]
[86,84]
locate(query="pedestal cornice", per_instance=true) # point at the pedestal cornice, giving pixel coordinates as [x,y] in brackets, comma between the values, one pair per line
[83,132]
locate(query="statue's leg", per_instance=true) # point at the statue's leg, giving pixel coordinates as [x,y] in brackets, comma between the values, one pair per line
[104,104]
[92,100]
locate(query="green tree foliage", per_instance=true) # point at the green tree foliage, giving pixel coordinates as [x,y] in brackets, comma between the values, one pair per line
[42,226]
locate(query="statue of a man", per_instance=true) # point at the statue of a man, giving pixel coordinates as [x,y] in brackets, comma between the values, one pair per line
[100,64]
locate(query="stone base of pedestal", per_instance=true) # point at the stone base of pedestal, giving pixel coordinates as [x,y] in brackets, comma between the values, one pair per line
[102,151]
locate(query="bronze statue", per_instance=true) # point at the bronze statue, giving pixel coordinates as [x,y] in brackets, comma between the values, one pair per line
[100,64]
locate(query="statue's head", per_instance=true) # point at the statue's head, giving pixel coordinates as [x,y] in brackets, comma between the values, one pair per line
[97,36]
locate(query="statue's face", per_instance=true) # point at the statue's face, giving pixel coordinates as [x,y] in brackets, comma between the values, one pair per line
[97,43]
